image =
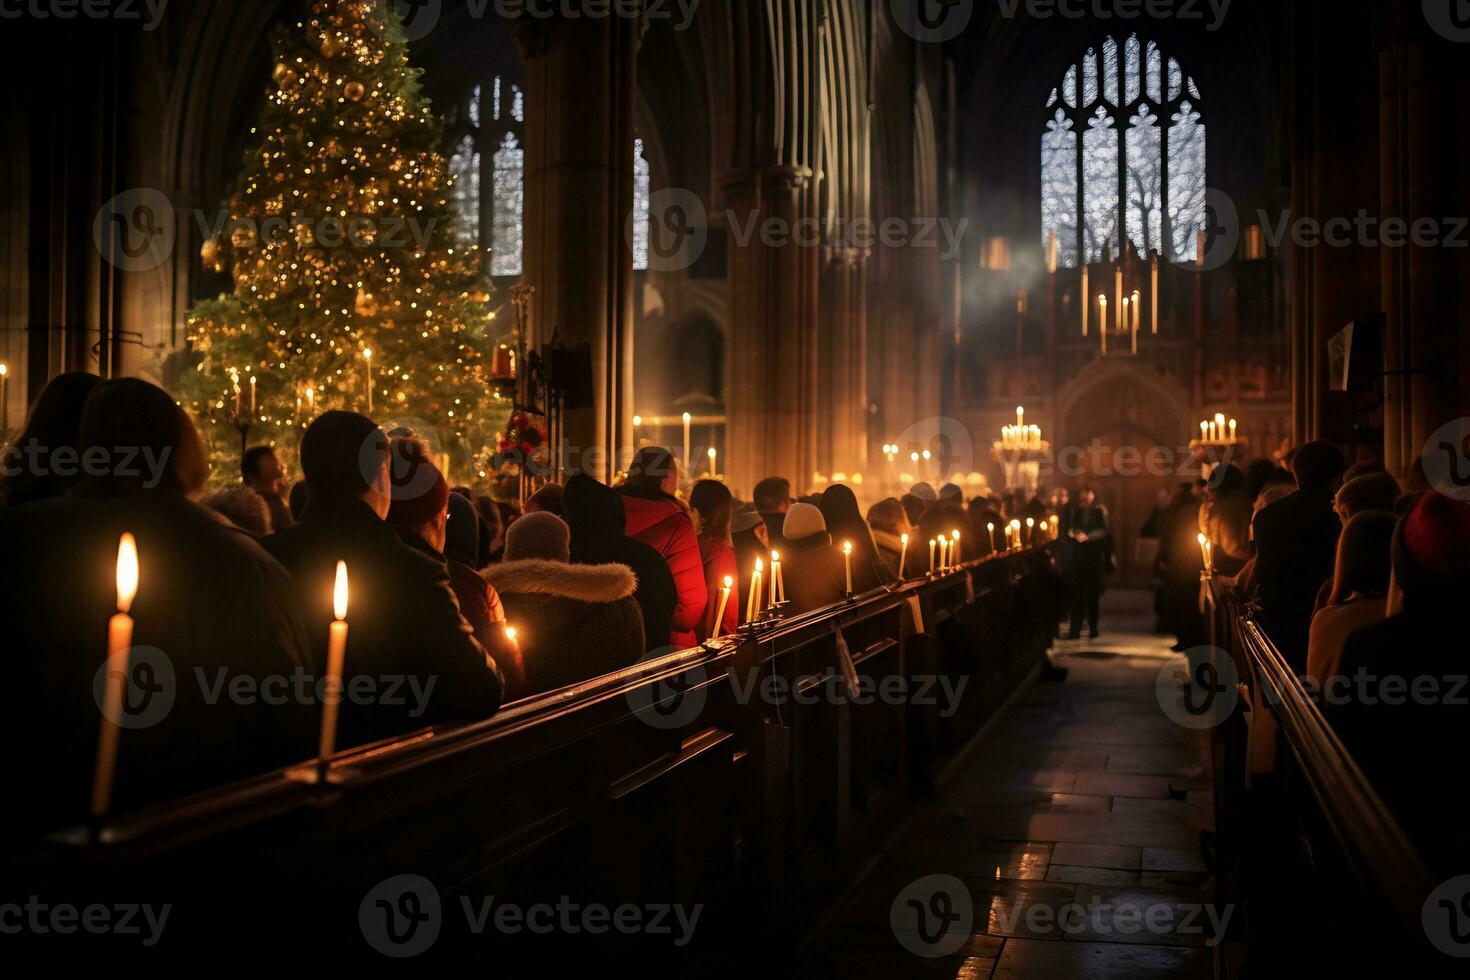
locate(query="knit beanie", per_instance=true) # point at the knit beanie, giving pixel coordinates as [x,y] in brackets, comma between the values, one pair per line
[803,521]
[1431,554]
[539,535]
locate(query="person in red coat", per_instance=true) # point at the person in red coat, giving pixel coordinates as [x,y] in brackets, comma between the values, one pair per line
[714,507]
[659,520]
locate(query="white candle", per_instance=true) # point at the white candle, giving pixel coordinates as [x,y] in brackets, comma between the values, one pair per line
[991,529]
[1020,416]
[367,353]
[252,395]
[1204,431]
[752,602]
[778,579]
[235,380]
[903,557]
[955,552]
[720,610]
[1232,430]
[1204,550]
[119,644]
[1030,530]
[637,432]
[847,560]
[336,656]
[932,545]
[688,419]
[712,455]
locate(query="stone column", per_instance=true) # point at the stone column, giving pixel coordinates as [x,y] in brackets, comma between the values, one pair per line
[581,95]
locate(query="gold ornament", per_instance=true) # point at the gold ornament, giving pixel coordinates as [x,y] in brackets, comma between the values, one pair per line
[243,237]
[213,255]
[284,75]
[367,304]
[354,91]
[331,46]
[304,236]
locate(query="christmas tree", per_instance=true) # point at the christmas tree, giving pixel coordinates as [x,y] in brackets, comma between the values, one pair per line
[351,289]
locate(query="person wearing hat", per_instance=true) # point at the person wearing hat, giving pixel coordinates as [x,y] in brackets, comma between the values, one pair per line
[751,540]
[811,566]
[1403,706]
[572,622]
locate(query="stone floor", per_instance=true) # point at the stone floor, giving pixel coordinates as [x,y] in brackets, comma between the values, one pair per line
[1070,836]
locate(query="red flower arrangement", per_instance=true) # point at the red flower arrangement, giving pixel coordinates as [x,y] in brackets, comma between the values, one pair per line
[523,436]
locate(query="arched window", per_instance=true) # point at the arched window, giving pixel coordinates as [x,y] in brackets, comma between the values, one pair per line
[492,152]
[1137,175]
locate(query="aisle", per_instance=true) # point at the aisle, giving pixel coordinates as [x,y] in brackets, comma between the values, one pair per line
[1071,833]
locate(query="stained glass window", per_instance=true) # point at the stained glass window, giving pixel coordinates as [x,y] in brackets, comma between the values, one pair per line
[502,168]
[1136,177]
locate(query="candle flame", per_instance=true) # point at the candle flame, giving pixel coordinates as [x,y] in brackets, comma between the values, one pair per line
[367,352]
[510,633]
[990,527]
[729,582]
[904,538]
[775,556]
[1202,539]
[339,593]
[127,572]
[847,547]
[955,535]
[1030,522]
[759,564]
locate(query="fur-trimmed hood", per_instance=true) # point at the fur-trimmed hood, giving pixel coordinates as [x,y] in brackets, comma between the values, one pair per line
[585,583]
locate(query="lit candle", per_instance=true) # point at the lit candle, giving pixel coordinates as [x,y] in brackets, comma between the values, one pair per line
[724,601]
[637,432]
[4,405]
[1122,308]
[119,645]
[688,420]
[367,353]
[1020,416]
[336,655]
[778,580]
[847,560]
[252,395]
[1137,310]
[1102,304]
[1016,527]
[1055,527]
[712,455]
[752,602]
[1232,430]
[1204,550]
[932,545]
[310,400]
[903,557]
[235,380]
[1086,307]
[1030,530]
[1204,431]
[955,552]
[991,529]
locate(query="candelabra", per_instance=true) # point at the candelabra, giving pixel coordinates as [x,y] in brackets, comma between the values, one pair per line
[1020,451]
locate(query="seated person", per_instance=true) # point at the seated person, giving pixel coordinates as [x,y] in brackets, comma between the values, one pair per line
[573,622]
[1403,707]
[1359,594]
[811,565]
[658,519]
[406,631]
[212,609]
[890,524]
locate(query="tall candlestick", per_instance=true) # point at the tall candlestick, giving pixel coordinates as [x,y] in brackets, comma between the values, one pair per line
[336,656]
[1031,530]
[778,580]
[119,645]
[235,381]
[1153,319]
[720,609]
[367,353]
[847,560]
[1232,430]
[991,529]
[1086,303]
[752,602]
[932,545]
[688,419]
[713,453]
[1020,416]
[1204,431]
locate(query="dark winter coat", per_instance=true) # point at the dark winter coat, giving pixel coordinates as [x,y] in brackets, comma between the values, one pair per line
[594,513]
[665,526]
[211,607]
[814,573]
[405,630]
[1296,551]
[573,622]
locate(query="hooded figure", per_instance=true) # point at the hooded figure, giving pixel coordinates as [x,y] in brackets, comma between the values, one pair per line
[845,523]
[659,520]
[811,566]
[594,513]
[573,622]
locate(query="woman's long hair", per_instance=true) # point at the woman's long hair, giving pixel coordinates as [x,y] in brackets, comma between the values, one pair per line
[845,522]
[646,474]
[55,422]
[1364,556]
[711,500]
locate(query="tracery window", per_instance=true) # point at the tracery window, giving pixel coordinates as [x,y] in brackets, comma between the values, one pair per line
[1137,173]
